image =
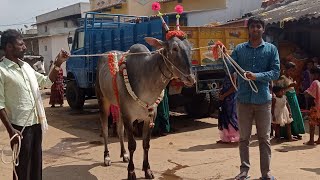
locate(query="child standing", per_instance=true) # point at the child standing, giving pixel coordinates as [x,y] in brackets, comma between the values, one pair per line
[281,112]
[297,126]
[314,92]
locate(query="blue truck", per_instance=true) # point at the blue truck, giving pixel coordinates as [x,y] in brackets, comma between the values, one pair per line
[100,33]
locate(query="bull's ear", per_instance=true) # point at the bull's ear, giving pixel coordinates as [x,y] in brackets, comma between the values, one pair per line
[156,43]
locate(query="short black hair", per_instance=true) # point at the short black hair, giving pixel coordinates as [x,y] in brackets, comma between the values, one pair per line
[315,70]
[257,20]
[290,65]
[9,36]
[276,89]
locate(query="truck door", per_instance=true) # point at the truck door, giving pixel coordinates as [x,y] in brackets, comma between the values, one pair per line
[77,65]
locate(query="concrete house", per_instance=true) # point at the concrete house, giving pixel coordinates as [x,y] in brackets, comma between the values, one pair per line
[55,27]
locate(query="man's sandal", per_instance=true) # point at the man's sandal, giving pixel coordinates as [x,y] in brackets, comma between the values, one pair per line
[268,178]
[242,176]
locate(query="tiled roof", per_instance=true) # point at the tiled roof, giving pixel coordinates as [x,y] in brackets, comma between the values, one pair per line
[290,10]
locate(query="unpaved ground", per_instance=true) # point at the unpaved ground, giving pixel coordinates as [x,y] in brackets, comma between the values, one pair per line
[72,150]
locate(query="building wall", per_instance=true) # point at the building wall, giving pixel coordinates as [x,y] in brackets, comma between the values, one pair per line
[233,10]
[74,9]
[123,10]
[95,4]
[140,9]
[57,27]
[32,45]
[49,48]
[45,46]
[59,42]
[193,5]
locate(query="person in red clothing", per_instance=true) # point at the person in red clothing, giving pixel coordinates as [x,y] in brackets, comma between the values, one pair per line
[57,90]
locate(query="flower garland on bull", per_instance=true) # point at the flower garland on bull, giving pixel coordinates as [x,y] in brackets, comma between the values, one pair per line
[116,66]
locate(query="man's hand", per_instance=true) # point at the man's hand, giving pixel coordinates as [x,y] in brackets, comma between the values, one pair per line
[250,75]
[62,57]
[15,139]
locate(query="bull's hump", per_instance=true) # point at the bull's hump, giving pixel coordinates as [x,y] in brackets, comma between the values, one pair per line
[138,48]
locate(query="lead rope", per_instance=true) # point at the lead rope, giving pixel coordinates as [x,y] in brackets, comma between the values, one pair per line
[17,147]
[238,69]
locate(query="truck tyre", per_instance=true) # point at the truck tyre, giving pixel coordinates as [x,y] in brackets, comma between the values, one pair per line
[75,95]
[214,103]
[199,106]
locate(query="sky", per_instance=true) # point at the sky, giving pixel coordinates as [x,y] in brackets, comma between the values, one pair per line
[17,13]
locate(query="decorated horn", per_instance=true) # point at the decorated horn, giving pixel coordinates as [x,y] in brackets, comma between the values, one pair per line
[156,7]
[179,10]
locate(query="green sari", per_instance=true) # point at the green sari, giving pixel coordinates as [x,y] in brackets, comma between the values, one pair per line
[162,123]
[297,126]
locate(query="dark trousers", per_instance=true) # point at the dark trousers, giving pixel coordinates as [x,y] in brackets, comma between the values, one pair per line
[30,157]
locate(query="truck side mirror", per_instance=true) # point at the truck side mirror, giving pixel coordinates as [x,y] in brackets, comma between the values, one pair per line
[69,40]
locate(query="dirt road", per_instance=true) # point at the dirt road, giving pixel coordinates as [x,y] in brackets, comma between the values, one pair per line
[73,150]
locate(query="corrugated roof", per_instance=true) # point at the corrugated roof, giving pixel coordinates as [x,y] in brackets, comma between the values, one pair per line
[294,10]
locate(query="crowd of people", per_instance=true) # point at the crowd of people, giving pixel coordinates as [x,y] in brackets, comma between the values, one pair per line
[275,108]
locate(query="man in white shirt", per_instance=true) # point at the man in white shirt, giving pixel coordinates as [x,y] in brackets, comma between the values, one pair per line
[39,66]
[21,105]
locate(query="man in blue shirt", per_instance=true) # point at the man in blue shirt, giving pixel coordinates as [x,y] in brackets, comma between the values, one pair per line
[261,62]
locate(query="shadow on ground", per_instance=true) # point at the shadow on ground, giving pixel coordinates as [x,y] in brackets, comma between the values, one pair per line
[209,146]
[315,170]
[288,148]
[70,172]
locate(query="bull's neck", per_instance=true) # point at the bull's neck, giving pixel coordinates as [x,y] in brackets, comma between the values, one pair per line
[149,83]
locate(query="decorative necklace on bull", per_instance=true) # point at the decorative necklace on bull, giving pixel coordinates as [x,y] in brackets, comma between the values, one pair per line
[116,66]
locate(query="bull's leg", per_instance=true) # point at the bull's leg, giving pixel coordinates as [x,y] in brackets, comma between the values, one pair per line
[120,129]
[132,147]
[146,146]
[104,113]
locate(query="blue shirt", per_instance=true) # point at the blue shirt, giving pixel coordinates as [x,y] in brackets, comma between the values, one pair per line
[264,62]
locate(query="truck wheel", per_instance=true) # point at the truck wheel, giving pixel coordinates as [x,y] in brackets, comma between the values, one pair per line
[199,106]
[214,103]
[75,95]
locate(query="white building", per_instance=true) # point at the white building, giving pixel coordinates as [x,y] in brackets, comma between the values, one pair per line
[55,27]
[234,9]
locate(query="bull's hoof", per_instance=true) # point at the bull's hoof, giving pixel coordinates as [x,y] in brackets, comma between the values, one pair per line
[107,161]
[125,158]
[148,174]
[132,175]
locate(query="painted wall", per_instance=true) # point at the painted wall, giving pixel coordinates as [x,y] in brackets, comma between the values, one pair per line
[234,9]
[95,4]
[193,5]
[140,9]
[143,8]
